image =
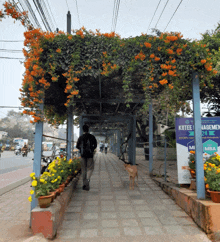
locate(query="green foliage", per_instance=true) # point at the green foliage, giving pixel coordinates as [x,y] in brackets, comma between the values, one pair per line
[192,161]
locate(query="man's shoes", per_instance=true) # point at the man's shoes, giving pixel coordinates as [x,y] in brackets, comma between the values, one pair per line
[86,186]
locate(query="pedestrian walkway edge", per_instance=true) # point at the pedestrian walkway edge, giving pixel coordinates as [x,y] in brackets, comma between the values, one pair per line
[14,185]
[205,213]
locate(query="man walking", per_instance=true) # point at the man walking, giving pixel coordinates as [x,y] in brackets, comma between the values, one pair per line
[86,144]
[106,147]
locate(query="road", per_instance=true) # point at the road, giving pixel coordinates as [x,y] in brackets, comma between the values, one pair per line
[11,162]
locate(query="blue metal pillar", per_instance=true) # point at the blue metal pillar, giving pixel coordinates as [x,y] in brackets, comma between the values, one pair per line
[150,137]
[132,141]
[69,132]
[200,183]
[118,142]
[38,138]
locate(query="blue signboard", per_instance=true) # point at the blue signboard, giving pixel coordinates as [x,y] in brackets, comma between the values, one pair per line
[185,142]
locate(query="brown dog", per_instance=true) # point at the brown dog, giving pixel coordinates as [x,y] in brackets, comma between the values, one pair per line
[132,171]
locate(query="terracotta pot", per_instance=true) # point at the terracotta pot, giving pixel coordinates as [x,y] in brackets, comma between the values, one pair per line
[215,196]
[207,193]
[193,173]
[45,201]
[57,192]
[54,195]
[62,186]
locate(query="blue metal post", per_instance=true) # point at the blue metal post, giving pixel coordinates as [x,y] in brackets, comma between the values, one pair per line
[200,183]
[132,140]
[69,132]
[150,138]
[38,138]
[118,142]
[165,158]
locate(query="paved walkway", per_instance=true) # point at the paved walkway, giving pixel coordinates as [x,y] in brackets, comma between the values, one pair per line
[112,212]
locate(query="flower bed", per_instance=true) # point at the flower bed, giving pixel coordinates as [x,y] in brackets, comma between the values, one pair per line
[52,182]
[48,220]
[212,176]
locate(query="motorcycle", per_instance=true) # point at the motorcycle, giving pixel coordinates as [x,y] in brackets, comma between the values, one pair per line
[45,163]
[17,152]
[24,153]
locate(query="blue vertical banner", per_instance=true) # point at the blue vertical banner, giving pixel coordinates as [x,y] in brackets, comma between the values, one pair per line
[185,143]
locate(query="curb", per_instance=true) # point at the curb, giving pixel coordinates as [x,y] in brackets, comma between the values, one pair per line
[14,185]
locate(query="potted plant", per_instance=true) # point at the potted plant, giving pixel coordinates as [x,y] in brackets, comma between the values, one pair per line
[42,190]
[192,164]
[212,179]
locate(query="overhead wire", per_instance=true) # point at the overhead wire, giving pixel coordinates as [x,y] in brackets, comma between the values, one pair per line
[78,13]
[51,13]
[115,14]
[173,14]
[11,40]
[32,13]
[9,50]
[153,15]
[113,17]
[47,14]
[11,58]
[44,15]
[161,14]
[67,5]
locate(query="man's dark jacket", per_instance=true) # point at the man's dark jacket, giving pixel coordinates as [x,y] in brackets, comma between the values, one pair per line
[83,139]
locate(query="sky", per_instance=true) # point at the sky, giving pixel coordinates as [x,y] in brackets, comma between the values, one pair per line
[192,18]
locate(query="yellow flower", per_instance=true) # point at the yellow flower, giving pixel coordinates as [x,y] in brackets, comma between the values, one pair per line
[42,180]
[59,177]
[62,171]
[55,180]
[30,199]
[207,185]
[209,169]
[45,182]
[75,171]
[34,178]
[32,174]
[70,170]
[34,183]
[52,174]
[31,192]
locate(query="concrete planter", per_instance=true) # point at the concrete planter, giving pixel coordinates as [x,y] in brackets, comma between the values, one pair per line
[205,213]
[48,220]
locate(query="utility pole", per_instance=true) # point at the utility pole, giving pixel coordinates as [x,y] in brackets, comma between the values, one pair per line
[69,22]
[70,109]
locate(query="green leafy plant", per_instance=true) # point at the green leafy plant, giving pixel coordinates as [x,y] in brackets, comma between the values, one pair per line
[192,160]
[212,176]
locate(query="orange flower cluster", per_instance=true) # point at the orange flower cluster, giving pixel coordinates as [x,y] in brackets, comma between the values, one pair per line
[164,81]
[208,67]
[170,86]
[107,68]
[170,51]
[164,66]
[80,33]
[203,61]
[179,51]
[172,38]
[148,45]
[140,56]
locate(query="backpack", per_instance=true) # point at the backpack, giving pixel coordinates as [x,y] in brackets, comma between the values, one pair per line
[86,149]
